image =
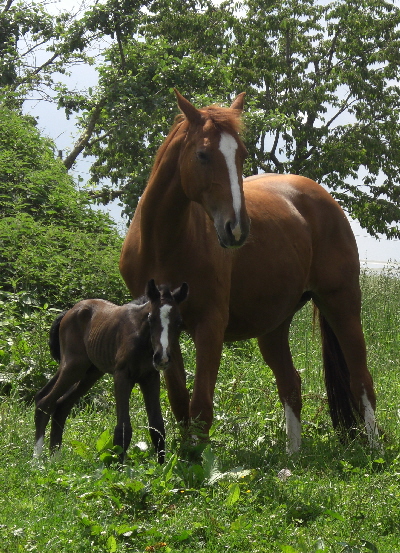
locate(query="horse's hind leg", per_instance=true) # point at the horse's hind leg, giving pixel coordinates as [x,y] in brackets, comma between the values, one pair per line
[67,401]
[151,394]
[276,353]
[349,383]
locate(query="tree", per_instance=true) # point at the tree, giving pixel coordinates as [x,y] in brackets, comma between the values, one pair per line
[53,245]
[321,81]
[322,94]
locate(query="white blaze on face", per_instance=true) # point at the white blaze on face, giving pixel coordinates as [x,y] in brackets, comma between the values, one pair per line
[293,430]
[228,146]
[164,318]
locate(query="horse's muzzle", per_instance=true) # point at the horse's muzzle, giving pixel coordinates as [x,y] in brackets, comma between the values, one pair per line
[232,235]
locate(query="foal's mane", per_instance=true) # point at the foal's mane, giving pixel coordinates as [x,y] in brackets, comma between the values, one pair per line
[164,291]
[223,119]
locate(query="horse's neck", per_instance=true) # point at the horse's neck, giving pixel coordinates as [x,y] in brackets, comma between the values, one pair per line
[164,208]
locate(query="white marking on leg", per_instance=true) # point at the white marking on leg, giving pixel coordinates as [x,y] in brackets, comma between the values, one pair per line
[228,146]
[293,430]
[164,318]
[38,447]
[370,422]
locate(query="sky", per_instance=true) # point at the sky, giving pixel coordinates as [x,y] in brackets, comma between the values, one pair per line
[52,123]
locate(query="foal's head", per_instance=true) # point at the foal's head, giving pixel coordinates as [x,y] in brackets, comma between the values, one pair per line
[165,320]
[211,164]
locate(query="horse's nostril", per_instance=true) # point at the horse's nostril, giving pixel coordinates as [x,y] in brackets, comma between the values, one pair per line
[228,228]
[234,232]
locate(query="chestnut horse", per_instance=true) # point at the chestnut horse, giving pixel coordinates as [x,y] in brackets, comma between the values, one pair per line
[132,342]
[192,223]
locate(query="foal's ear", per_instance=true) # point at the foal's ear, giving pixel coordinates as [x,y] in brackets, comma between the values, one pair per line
[180,294]
[152,291]
[238,102]
[192,114]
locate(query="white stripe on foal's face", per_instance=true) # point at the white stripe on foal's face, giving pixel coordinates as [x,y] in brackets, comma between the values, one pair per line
[164,318]
[228,147]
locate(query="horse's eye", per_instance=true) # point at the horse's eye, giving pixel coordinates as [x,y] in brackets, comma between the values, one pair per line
[202,156]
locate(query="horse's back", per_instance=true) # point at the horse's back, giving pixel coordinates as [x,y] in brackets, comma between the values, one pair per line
[303,213]
[300,241]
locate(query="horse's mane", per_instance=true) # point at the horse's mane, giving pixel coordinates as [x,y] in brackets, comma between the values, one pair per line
[223,119]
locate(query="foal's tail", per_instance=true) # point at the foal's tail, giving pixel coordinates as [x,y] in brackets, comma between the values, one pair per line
[54,338]
[343,409]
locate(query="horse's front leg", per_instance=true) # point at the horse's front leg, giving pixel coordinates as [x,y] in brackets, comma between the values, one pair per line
[208,338]
[175,380]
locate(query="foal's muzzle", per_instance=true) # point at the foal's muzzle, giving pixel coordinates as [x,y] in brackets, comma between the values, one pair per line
[161,361]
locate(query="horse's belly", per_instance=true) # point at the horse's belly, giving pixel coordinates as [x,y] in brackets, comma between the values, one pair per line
[264,316]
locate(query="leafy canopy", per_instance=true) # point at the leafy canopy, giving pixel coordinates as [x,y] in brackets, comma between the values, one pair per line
[321,81]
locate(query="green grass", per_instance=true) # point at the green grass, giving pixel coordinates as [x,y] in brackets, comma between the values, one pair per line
[338,498]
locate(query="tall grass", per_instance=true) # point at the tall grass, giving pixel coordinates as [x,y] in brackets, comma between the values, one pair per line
[245,493]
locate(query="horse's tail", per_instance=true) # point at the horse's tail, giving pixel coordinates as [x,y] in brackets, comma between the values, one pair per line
[54,338]
[342,406]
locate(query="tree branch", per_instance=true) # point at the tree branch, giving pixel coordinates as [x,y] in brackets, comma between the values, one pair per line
[45,64]
[85,136]
[8,6]
[105,195]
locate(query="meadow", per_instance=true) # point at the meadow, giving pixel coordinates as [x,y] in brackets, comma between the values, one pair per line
[242,493]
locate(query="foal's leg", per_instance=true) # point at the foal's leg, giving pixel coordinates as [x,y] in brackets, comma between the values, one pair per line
[122,388]
[67,401]
[151,394]
[276,353]
[67,375]
[42,418]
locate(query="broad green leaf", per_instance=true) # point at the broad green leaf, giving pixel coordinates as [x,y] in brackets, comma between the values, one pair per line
[233,494]
[105,441]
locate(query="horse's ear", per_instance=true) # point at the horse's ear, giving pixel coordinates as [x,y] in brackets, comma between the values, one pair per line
[180,294]
[152,291]
[238,102]
[192,114]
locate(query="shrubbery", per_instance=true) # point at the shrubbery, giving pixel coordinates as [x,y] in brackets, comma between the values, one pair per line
[55,249]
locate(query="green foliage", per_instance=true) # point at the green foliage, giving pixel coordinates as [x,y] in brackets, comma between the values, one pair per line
[322,98]
[59,266]
[54,246]
[243,493]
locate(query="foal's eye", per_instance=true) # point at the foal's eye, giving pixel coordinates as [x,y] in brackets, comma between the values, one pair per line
[202,156]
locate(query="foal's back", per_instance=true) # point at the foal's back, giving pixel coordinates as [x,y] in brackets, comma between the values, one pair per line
[104,334]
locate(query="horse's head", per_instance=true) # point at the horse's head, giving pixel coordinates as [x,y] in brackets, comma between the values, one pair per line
[165,320]
[211,164]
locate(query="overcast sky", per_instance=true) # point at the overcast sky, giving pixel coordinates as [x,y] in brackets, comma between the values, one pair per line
[53,124]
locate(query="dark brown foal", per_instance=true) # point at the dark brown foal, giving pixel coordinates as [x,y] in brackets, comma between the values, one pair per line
[132,342]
